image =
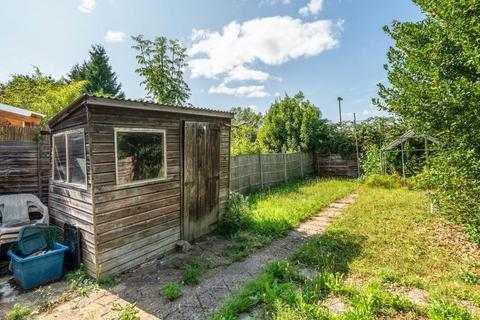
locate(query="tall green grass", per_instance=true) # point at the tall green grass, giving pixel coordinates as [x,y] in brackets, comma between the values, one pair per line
[386,240]
[273,212]
[277,210]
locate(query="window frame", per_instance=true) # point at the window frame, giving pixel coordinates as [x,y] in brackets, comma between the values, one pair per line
[144,130]
[82,186]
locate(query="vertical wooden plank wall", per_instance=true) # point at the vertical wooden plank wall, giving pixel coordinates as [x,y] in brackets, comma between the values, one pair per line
[25,168]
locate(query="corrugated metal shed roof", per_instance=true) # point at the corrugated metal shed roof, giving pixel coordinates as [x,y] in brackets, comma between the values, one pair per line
[19,111]
[135,104]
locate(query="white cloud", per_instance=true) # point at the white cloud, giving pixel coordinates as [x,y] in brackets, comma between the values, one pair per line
[272,2]
[243,91]
[114,36]
[241,73]
[313,7]
[272,41]
[87,6]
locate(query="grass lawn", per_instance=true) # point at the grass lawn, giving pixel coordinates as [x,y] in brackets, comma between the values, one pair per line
[383,247]
[275,211]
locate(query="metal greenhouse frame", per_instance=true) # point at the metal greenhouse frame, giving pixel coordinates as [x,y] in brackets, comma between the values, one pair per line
[399,142]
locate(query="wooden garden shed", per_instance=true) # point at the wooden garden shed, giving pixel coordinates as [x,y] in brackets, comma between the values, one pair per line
[136,177]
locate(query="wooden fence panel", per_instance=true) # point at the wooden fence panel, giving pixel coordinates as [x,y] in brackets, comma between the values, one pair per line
[24,165]
[249,173]
[11,133]
[336,166]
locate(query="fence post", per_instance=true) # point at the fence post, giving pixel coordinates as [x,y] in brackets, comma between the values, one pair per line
[261,167]
[39,173]
[285,167]
[301,163]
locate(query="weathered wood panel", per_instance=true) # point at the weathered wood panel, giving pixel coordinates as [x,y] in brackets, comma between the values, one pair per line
[249,173]
[25,168]
[11,133]
[127,215]
[73,205]
[336,166]
[201,178]
[135,223]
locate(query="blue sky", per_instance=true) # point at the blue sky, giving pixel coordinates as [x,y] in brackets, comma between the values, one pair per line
[243,53]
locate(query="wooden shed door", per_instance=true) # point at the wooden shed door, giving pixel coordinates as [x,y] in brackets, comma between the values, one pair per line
[201,178]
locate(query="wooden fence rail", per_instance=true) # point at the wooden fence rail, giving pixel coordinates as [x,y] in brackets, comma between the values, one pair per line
[252,172]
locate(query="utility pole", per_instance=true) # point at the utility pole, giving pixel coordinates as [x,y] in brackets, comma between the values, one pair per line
[340,99]
[356,142]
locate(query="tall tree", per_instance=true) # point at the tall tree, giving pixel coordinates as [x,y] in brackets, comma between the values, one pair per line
[98,73]
[434,75]
[434,70]
[292,123]
[40,93]
[245,126]
[161,64]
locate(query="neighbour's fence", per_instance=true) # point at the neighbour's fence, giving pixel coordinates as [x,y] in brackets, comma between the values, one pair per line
[336,166]
[24,163]
[252,172]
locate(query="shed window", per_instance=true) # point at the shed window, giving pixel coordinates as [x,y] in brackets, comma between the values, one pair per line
[140,155]
[69,163]
[59,158]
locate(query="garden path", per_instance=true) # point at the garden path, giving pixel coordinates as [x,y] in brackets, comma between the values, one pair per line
[201,301]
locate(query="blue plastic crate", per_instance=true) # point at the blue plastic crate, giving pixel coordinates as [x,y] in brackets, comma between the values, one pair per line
[34,271]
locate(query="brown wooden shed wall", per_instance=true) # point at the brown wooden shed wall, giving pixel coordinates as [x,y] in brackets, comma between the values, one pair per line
[137,223]
[73,205]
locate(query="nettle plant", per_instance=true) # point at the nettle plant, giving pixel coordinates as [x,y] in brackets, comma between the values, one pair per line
[234,218]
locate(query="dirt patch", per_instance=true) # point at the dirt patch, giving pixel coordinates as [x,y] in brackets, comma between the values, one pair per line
[143,285]
[453,235]
[470,307]
[415,295]
[337,305]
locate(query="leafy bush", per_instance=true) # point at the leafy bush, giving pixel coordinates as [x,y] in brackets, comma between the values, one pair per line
[456,175]
[420,181]
[172,290]
[383,181]
[371,161]
[19,313]
[233,219]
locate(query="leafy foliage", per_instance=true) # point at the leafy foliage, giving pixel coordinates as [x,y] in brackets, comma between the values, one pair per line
[192,274]
[81,282]
[161,64]
[434,72]
[40,93]
[293,123]
[383,181]
[127,312]
[19,312]
[98,74]
[234,218]
[245,127]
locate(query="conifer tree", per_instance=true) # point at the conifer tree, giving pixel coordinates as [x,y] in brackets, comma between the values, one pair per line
[98,74]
